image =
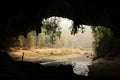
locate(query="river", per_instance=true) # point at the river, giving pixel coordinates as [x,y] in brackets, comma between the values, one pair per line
[79,64]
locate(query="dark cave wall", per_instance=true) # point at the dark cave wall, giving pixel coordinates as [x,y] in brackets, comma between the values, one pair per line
[21,17]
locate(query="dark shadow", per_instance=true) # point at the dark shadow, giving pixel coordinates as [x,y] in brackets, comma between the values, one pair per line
[4,57]
[18,70]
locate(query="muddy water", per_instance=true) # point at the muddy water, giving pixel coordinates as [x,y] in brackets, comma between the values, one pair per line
[79,64]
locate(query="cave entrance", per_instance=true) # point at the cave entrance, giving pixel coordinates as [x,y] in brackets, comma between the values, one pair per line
[56,45]
[56,35]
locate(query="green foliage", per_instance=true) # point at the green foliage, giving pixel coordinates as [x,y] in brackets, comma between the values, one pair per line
[103,39]
[51,27]
[43,40]
[76,29]
[31,39]
[48,40]
[50,35]
[21,41]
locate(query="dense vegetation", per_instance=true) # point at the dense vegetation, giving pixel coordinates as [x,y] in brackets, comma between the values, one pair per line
[49,36]
[105,43]
[53,34]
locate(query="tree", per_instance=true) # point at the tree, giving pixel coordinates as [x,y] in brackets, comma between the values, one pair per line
[52,28]
[31,39]
[21,40]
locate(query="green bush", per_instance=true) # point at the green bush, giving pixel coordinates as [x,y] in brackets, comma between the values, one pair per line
[104,40]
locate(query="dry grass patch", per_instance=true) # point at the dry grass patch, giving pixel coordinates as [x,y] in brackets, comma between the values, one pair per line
[51,53]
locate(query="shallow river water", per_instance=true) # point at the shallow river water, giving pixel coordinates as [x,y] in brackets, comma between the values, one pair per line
[79,64]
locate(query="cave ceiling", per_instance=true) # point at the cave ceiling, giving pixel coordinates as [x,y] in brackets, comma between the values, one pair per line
[20,17]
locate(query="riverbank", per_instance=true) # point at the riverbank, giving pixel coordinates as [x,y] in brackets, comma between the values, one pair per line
[20,70]
[101,69]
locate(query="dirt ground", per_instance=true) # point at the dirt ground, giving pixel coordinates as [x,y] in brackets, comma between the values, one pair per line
[105,69]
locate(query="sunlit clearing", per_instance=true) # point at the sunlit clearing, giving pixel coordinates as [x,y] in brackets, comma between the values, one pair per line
[55,43]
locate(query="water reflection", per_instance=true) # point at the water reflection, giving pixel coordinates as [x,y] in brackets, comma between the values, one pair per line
[79,67]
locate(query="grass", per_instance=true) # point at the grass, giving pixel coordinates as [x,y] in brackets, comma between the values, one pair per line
[48,53]
[88,50]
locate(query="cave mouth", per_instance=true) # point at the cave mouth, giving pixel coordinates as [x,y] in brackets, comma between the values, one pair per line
[56,32]
[56,45]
